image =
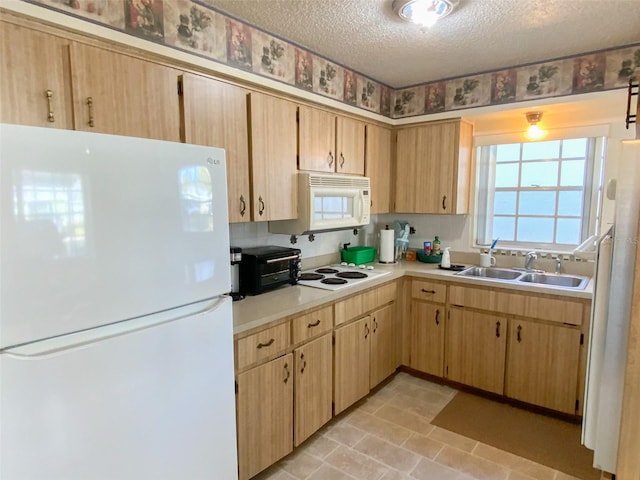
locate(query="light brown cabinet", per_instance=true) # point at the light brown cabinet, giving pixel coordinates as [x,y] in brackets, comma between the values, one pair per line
[313,376]
[383,358]
[214,113]
[542,366]
[329,143]
[352,363]
[427,337]
[264,403]
[475,349]
[272,151]
[121,95]
[378,167]
[433,168]
[35,78]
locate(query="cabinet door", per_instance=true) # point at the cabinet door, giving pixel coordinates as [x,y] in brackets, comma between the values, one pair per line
[122,95]
[215,113]
[475,349]
[349,146]
[35,78]
[273,148]
[427,337]
[317,140]
[543,364]
[433,168]
[378,167]
[265,415]
[313,375]
[351,363]
[383,345]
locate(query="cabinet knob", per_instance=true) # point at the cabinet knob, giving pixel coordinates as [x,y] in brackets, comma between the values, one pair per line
[366,330]
[497,329]
[438,316]
[91,122]
[330,159]
[260,206]
[50,115]
[268,344]
[314,324]
[287,374]
[428,291]
[444,202]
[519,334]
[243,206]
[341,160]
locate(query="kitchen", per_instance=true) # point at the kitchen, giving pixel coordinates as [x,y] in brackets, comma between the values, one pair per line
[454,230]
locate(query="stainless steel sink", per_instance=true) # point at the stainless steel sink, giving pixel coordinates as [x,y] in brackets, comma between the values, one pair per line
[494,273]
[567,281]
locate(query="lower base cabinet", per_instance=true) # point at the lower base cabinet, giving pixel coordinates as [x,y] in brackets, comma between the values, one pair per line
[351,362]
[543,362]
[313,376]
[476,349]
[427,338]
[264,404]
[383,359]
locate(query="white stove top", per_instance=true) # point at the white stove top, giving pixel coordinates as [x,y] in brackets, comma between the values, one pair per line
[336,277]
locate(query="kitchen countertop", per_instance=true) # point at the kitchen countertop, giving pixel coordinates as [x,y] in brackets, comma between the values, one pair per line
[261,310]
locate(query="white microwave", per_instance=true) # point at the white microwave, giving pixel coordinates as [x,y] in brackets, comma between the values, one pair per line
[328,202]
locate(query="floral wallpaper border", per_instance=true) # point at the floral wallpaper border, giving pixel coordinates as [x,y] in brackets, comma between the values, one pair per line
[196,27]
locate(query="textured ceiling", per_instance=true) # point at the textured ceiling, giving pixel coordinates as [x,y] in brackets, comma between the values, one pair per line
[479,35]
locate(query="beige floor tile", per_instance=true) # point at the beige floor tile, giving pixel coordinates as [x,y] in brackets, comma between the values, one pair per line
[387,453]
[395,475]
[424,446]
[371,405]
[345,433]
[473,466]
[428,470]
[382,428]
[424,393]
[564,476]
[319,446]
[415,404]
[404,418]
[517,464]
[326,472]
[453,439]
[274,473]
[300,464]
[518,476]
[355,464]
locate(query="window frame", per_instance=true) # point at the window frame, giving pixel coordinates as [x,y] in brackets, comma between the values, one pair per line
[485,177]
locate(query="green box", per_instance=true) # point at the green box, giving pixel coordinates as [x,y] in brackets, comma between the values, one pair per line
[358,255]
[423,257]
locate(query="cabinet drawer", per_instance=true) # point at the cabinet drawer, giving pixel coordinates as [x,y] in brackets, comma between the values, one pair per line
[312,324]
[264,344]
[542,308]
[357,306]
[431,291]
[386,294]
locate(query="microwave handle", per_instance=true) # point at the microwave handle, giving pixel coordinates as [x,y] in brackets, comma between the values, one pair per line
[280,259]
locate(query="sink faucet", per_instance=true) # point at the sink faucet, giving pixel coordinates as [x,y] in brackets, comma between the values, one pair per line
[558,264]
[531,257]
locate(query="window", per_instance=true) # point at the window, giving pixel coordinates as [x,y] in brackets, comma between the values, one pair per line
[538,194]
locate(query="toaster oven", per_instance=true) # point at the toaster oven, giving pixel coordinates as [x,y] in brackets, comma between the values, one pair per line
[265,268]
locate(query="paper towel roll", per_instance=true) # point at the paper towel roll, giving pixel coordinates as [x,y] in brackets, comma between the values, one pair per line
[387,247]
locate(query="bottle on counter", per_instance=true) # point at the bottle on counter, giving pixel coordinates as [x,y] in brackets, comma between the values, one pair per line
[446,259]
[435,249]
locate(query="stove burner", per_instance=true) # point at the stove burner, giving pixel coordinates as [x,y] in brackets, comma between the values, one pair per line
[310,276]
[351,275]
[333,281]
[326,270]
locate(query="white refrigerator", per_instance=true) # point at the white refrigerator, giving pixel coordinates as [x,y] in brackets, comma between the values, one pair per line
[116,348]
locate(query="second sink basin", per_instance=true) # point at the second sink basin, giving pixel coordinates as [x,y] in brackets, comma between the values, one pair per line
[496,273]
[556,280]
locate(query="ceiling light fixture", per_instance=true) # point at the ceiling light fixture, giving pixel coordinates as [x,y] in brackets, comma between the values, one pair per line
[423,12]
[534,132]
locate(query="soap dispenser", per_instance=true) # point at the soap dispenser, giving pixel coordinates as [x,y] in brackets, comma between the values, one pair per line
[446,259]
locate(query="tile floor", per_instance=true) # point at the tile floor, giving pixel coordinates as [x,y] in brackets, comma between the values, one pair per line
[387,436]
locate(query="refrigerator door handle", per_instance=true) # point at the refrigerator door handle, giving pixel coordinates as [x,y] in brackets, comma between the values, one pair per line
[64,343]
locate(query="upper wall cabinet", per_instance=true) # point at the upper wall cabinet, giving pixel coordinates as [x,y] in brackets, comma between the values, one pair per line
[272,151]
[122,95]
[329,142]
[215,113]
[36,88]
[378,166]
[433,164]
